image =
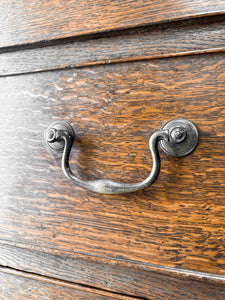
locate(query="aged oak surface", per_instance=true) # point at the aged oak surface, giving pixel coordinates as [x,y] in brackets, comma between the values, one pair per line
[25,22]
[116,70]
[18,285]
[121,276]
[157,41]
[178,222]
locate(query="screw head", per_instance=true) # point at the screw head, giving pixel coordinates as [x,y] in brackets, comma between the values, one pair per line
[51,135]
[183,137]
[178,134]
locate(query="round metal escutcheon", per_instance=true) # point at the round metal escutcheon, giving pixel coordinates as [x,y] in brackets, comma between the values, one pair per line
[183,137]
[57,147]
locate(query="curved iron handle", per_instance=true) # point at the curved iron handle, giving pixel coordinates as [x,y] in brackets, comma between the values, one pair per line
[178,137]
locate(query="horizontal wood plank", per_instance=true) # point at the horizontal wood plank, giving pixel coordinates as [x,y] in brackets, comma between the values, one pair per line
[126,277]
[24,22]
[177,222]
[16,285]
[182,38]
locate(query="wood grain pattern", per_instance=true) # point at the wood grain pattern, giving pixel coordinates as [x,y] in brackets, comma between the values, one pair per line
[150,42]
[19,285]
[117,275]
[25,22]
[178,222]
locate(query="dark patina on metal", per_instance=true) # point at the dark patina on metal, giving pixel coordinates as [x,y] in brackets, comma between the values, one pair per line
[177,137]
[183,137]
[53,133]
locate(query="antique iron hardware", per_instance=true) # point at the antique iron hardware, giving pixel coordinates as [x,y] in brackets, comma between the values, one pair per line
[178,137]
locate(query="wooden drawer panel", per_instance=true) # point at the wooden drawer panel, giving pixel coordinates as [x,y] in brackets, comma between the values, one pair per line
[24,22]
[121,276]
[178,222]
[156,41]
[19,285]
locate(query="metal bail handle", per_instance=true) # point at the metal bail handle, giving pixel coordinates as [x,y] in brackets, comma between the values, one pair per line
[178,137]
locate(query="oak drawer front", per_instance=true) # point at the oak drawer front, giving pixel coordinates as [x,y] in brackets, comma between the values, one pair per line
[38,21]
[19,285]
[177,222]
[117,72]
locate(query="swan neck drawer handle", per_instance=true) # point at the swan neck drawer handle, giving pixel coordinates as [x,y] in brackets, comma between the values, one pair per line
[178,137]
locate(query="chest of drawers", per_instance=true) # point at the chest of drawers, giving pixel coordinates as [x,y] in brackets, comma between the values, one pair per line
[117,72]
